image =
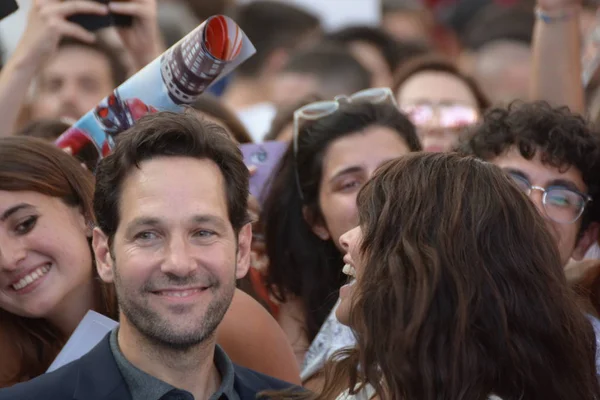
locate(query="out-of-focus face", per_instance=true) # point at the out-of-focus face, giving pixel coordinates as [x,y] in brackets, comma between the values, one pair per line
[354,267]
[503,71]
[348,164]
[541,175]
[45,257]
[371,58]
[440,105]
[175,256]
[289,88]
[72,83]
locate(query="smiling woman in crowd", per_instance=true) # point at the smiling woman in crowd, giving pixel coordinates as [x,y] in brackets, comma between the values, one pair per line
[48,280]
[336,148]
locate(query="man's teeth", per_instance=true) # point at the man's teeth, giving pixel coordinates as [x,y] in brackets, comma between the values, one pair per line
[349,270]
[32,277]
[179,293]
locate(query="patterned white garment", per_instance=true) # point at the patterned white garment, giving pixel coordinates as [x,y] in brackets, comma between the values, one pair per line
[593,252]
[596,325]
[368,392]
[332,337]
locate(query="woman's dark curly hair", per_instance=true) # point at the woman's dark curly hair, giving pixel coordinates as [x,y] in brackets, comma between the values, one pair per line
[565,139]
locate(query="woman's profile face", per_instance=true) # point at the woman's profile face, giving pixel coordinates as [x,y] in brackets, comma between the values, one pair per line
[348,164]
[354,268]
[45,257]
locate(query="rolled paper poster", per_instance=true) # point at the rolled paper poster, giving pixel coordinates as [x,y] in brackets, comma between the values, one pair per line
[175,79]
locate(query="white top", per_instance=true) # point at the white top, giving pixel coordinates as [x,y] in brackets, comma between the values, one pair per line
[332,337]
[368,392]
[258,119]
[596,325]
[593,252]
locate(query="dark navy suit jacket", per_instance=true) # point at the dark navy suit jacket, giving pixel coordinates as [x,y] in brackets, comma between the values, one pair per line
[96,376]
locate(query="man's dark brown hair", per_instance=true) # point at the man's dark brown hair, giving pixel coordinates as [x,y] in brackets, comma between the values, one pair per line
[168,134]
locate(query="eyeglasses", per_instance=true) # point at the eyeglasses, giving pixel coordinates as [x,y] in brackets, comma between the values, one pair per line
[561,205]
[321,109]
[450,116]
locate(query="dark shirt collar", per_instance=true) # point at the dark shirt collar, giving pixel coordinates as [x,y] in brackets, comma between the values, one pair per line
[143,386]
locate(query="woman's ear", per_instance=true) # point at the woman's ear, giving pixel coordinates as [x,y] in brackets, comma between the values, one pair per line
[317,225]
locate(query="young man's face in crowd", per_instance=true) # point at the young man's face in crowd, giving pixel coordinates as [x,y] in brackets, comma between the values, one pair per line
[71,84]
[538,174]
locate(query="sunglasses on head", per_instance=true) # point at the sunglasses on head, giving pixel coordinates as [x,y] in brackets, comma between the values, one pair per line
[321,109]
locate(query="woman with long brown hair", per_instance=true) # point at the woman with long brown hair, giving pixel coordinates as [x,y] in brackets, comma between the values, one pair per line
[336,147]
[459,292]
[48,280]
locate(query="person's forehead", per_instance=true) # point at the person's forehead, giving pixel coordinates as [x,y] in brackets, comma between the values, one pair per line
[173,187]
[436,86]
[80,60]
[365,149]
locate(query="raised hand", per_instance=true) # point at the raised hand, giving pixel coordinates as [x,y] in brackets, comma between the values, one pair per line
[142,39]
[48,23]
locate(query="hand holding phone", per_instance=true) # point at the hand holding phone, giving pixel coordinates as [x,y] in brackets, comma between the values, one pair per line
[92,22]
[48,23]
[121,20]
[142,37]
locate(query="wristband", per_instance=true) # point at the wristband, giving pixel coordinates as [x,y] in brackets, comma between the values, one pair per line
[550,17]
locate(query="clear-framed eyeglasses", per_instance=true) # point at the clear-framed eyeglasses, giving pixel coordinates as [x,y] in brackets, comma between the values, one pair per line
[561,204]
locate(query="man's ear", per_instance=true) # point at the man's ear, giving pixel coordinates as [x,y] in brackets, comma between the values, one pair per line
[243,251]
[589,237]
[317,225]
[104,260]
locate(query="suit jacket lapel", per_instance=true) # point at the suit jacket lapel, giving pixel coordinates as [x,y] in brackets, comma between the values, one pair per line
[99,377]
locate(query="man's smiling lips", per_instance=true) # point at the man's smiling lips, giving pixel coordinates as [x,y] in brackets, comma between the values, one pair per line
[180,293]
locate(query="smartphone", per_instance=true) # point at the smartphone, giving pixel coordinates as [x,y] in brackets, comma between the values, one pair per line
[92,22]
[265,157]
[7,7]
[122,21]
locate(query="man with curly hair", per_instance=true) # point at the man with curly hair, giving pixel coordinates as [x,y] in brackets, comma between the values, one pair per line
[554,157]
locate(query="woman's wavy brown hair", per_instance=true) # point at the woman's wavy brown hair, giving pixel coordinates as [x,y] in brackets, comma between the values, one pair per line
[28,346]
[463,294]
